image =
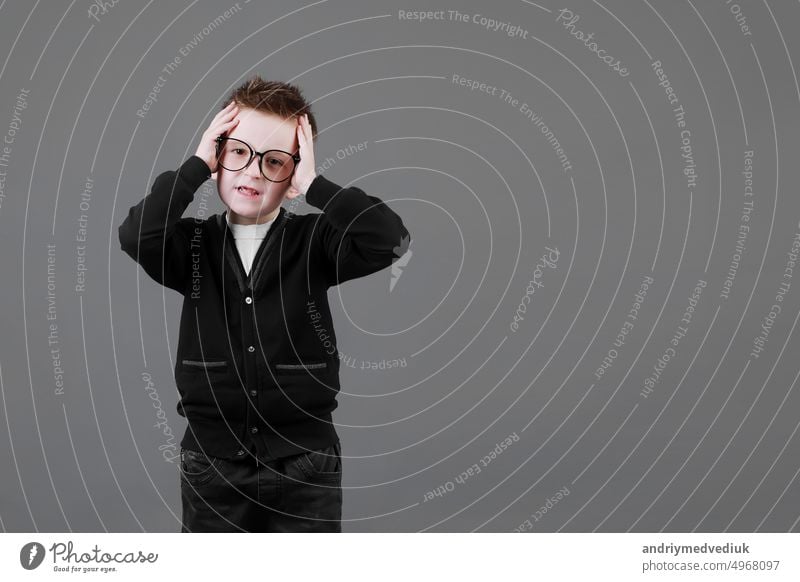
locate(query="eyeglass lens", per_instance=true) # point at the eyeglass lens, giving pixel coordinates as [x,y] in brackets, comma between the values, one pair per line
[234,155]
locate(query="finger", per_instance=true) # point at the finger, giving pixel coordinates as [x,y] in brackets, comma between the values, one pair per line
[222,126]
[220,129]
[226,111]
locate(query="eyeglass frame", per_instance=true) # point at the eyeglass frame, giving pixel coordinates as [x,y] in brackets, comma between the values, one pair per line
[260,155]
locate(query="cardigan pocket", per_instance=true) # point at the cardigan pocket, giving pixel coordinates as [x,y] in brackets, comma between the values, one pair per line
[205,363]
[300,367]
[210,391]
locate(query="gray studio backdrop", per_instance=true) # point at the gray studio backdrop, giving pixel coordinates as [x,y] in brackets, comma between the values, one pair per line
[594,329]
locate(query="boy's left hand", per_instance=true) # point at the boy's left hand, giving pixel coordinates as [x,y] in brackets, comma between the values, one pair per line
[304,173]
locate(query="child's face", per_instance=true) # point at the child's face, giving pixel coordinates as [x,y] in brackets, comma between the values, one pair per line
[263,131]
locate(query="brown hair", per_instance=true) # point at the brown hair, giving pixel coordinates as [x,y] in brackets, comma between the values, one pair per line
[282,99]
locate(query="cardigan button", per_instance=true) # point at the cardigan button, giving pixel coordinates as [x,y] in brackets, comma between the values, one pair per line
[253,393]
[248,300]
[239,453]
[251,349]
[254,429]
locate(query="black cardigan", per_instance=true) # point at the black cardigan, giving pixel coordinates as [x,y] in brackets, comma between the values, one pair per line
[257,367]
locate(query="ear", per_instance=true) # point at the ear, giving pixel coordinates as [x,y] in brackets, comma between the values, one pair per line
[292,192]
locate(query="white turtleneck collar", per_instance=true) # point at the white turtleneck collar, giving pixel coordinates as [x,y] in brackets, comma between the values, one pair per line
[248,238]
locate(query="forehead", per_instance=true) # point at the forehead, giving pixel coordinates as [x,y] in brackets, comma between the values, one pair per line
[265,130]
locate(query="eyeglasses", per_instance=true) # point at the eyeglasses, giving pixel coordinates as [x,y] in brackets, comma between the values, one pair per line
[234,155]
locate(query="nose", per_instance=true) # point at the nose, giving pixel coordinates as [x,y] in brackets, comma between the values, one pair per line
[254,167]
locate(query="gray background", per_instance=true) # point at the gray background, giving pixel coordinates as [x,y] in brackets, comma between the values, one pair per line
[712,448]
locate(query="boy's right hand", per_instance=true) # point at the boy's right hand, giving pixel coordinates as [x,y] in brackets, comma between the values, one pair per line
[223,122]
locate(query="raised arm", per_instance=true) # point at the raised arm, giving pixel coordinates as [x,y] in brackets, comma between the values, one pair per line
[153,233]
[357,233]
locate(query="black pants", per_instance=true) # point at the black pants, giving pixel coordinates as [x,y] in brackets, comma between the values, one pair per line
[300,493]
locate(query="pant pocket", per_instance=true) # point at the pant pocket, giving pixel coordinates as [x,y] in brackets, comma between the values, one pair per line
[197,468]
[321,464]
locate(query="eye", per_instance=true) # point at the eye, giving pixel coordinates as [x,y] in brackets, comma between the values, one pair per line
[275,162]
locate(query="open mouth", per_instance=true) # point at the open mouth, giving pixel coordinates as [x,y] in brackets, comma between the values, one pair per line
[248,192]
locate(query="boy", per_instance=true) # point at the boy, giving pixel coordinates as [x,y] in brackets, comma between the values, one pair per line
[257,384]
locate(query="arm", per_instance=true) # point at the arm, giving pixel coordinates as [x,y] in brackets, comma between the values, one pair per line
[153,233]
[357,234]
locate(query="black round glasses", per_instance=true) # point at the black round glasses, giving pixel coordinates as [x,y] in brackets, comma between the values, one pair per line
[234,155]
